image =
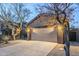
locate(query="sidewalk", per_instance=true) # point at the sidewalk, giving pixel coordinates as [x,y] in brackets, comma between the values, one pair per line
[74,49]
[59,51]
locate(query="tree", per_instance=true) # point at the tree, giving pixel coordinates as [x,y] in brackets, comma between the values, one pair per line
[5,13]
[21,12]
[11,12]
[63,14]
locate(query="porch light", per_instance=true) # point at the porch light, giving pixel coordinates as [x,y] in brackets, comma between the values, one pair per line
[28,29]
[60,27]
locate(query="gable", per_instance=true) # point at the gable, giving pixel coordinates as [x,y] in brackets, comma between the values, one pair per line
[42,20]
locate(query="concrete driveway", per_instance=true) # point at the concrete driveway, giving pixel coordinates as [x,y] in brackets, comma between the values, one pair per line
[28,48]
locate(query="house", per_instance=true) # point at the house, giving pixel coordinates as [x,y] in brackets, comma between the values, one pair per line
[74,34]
[44,27]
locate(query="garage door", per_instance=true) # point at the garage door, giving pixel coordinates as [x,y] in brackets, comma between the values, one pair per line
[44,34]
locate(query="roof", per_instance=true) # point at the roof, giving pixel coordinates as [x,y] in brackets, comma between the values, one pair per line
[39,15]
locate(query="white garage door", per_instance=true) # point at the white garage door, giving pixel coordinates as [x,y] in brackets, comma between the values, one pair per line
[44,34]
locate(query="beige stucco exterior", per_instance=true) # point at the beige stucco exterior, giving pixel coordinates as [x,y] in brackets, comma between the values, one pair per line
[49,21]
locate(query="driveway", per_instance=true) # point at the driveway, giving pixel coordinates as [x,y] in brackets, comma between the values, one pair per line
[27,48]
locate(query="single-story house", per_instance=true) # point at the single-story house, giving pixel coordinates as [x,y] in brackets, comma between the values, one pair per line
[44,28]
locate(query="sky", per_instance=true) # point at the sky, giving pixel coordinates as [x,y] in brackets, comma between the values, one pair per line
[32,7]
[34,13]
[76,17]
[75,23]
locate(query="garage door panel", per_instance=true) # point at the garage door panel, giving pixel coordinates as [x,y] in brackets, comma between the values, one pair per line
[44,34]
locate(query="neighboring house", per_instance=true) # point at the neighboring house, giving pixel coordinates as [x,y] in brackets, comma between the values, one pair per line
[74,35]
[77,35]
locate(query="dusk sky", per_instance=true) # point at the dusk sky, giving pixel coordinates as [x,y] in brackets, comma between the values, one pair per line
[76,13]
[32,6]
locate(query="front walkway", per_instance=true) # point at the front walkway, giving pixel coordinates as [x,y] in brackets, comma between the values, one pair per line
[27,48]
[59,51]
